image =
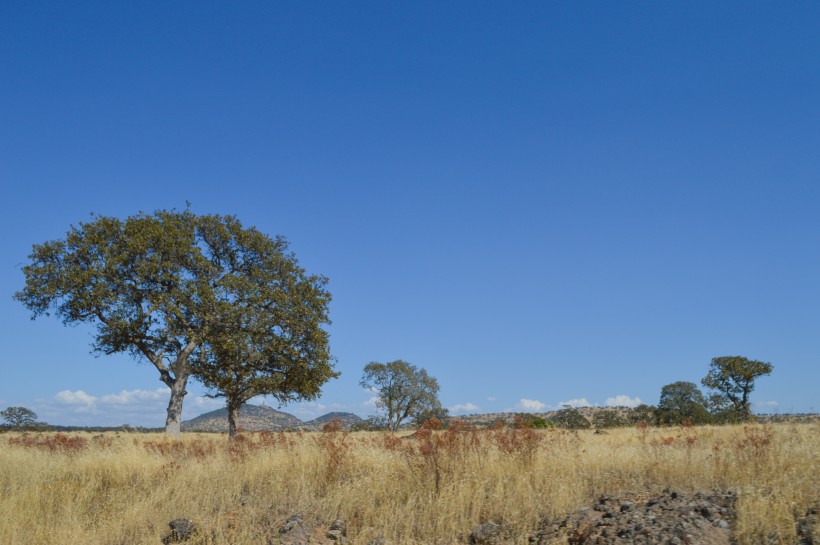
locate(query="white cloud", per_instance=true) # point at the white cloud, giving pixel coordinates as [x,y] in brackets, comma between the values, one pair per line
[622,401]
[491,399]
[580,402]
[531,405]
[129,397]
[371,402]
[464,408]
[78,399]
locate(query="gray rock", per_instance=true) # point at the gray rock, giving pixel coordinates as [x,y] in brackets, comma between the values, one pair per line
[338,532]
[181,530]
[488,533]
[293,532]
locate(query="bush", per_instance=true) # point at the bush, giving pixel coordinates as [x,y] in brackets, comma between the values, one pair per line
[571,419]
[608,418]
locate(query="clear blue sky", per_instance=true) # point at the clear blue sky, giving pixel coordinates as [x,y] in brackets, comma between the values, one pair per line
[538,202]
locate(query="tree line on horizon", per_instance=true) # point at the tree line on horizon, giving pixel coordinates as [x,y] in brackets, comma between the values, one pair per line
[202,296]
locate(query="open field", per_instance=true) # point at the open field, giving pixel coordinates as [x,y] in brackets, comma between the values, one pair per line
[122,489]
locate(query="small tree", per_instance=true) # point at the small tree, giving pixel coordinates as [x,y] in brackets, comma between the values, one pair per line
[643,414]
[681,401]
[608,418]
[19,417]
[734,377]
[570,418]
[404,391]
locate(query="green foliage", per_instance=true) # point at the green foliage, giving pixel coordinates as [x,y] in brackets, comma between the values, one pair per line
[174,286]
[404,391]
[267,336]
[682,401]
[570,418]
[642,414]
[532,421]
[608,418]
[19,417]
[723,411]
[734,377]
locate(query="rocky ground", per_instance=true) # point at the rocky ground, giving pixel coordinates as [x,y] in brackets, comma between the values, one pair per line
[670,518]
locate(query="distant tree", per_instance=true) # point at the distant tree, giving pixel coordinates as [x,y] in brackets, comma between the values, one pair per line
[642,414]
[442,414]
[723,411]
[682,401]
[19,417]
[608,418]
[570,418]
[734,378]
[404,391]
[152,285]
[529,420]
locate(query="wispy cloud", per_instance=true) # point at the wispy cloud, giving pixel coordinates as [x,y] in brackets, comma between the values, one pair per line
[766,405]
[580,402]
[491,399]
[622,401]
[464,408]
[531,405]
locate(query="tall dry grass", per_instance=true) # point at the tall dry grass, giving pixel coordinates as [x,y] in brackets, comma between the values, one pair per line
[123,489]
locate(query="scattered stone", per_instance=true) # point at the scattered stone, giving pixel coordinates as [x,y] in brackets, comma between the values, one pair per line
[338,532]
[806,527]
[378,541]
[671,518]
[293,532]
[488,533]
[181,530]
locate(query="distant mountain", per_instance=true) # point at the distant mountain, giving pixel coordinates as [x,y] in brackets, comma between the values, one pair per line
[347,420]
[250,418]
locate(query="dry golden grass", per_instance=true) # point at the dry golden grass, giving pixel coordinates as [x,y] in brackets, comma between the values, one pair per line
[123,489]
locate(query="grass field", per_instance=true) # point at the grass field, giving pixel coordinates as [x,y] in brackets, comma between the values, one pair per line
[122,489]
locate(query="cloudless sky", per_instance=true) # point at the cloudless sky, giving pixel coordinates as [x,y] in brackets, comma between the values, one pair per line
[538,202]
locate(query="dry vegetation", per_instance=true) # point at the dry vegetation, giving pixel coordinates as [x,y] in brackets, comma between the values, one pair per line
[123,489]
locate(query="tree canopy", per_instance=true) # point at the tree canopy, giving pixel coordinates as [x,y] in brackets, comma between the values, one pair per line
[19,417]
[156,286]
[268,337]
[682,401]
[404,391]
[734,377]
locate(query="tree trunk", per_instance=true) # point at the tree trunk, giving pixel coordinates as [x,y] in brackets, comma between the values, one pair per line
[174,418]
[232,413]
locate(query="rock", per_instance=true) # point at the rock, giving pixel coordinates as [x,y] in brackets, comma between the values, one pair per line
[488,533]
[293,532]
[181,530]
[338,532]
[378,541]
[806,526]
[671,518]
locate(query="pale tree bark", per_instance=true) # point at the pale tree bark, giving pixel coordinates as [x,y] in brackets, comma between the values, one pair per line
[176,382]
[232,414]
[173,421]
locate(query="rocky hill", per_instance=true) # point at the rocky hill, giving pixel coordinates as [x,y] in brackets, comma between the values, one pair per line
[260,418]
[347,420]
[250,418]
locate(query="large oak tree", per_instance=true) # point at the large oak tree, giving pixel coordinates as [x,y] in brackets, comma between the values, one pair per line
[151,284]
